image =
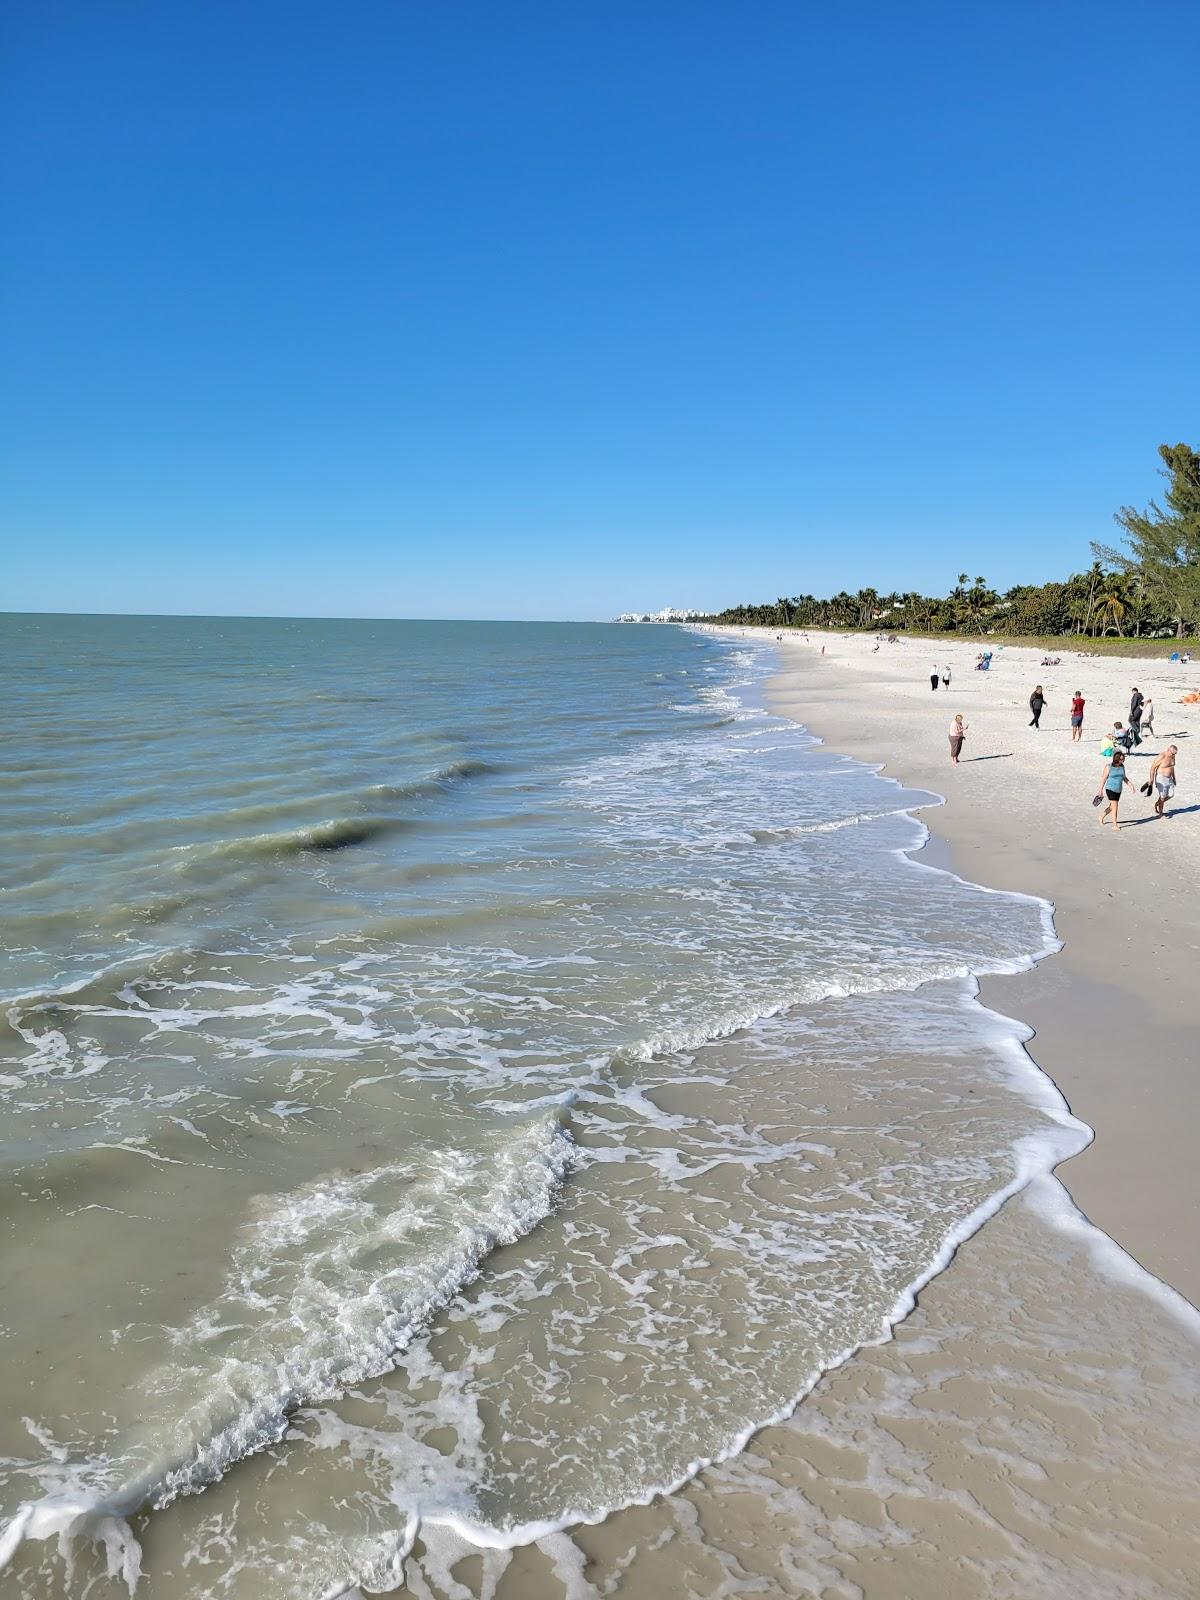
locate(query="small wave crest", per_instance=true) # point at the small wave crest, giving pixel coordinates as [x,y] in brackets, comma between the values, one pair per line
[779,835]
[340,833]
[327,1285]
[337,834]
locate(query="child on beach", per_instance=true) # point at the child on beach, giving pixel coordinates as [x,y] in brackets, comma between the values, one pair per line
[958,732]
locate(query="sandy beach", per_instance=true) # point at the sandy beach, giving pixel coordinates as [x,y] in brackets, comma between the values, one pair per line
[812,1237]
[967,1457]
[1030,1430]
[1115,1013]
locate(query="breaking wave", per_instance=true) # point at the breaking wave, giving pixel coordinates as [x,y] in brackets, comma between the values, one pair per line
[326,1286]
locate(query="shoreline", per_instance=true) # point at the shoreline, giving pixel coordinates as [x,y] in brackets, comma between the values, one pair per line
[996,1437]
[1114,1013]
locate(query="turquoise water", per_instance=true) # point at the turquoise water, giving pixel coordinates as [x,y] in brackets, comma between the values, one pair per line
[452,1073]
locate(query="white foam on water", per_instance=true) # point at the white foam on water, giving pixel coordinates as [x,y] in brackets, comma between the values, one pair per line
[1035,1157]
[307,1309]
[1053,1203]
[326,1286]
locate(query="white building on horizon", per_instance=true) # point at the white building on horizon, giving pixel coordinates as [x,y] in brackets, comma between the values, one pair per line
[667,614]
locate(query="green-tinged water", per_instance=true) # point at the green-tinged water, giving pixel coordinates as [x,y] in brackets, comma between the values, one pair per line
[452,1073]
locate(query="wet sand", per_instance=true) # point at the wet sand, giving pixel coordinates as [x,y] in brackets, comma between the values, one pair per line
[1032,1429]
[1115,1012]
[1023,1435]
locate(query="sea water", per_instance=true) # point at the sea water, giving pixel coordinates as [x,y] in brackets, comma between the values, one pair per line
[453,1075]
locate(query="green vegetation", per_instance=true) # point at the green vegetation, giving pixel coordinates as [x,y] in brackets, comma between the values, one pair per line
[1148,589]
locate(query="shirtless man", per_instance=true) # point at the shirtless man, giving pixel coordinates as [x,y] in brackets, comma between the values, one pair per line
[1162,776]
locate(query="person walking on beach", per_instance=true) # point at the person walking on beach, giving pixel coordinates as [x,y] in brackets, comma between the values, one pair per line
[1162,776]
[1112,784]
[1135,715]
[958,732]
[1036,701]
[945,677]
[933,678]
[1148,716]
[1077,705]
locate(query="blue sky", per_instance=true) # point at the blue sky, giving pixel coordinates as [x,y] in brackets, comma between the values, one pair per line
[424,308]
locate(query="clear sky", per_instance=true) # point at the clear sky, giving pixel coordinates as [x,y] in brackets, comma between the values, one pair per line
[495,308]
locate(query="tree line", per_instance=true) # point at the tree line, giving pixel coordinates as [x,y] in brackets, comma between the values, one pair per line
[1146,586]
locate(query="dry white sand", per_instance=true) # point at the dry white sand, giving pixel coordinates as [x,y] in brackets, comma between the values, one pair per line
[1032,1431]
[1116,1013]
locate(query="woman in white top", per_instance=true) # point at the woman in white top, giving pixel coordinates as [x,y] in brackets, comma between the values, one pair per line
[958,732]
[1148,715]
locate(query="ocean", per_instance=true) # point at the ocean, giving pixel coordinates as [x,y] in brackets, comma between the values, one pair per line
[454,1075]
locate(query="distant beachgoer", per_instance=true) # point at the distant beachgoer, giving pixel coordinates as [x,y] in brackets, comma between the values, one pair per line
[1036,701]
[1148,716]
[1077,705]
[1112,783]
[945,677]
[958,732]
[1162,776]
[933,678]
[1135,715]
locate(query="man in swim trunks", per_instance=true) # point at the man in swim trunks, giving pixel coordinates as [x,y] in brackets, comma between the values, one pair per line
[1077,705]
[1162,776]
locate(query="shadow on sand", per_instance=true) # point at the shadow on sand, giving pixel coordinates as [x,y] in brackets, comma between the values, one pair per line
[1175,811]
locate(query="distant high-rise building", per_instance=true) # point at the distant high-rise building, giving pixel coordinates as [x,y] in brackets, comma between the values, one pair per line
[667,614]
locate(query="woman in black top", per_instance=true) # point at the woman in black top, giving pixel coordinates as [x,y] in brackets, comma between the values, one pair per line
[1036,701]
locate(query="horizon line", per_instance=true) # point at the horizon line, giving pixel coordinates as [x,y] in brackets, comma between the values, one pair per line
[282,616]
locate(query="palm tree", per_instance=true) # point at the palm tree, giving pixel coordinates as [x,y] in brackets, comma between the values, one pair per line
[978,603]
[1093,578]
[1111,611]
